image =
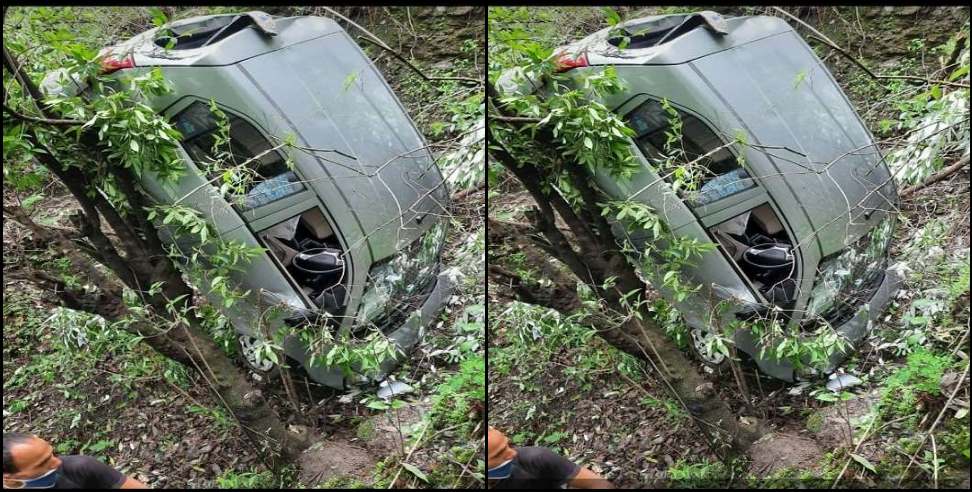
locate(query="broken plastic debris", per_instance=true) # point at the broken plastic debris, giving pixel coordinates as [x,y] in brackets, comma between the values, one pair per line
[347,397]
[796,390]
[842,381]
[284,230]
[386,390]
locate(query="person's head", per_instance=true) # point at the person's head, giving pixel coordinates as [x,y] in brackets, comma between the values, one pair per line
[28,462]
[499,457]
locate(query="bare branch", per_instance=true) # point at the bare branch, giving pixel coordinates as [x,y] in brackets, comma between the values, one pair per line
[414,68]
[824,39]
[944,173]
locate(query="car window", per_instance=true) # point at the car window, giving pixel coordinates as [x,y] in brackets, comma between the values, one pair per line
[719,174]
[271,180]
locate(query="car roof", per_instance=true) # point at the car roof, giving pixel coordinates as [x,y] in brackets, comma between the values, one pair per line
[218,40]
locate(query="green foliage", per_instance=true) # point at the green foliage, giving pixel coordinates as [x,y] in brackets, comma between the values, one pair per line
[452,401]
[921,375]
[346,352]
[266,479]
[956,440]
[675,413]
[218,415]
[936,118]
[696,475]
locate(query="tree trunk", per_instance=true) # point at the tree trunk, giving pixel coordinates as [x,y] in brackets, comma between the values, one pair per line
[591,253]
[140,262]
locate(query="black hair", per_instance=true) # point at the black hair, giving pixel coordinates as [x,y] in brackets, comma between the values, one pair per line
[10,439]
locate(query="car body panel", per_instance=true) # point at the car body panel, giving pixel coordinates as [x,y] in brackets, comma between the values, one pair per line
[815,164]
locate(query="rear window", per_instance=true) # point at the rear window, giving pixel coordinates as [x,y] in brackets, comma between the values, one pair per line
[270,178]
[717,175]
[649,33]
[203,33]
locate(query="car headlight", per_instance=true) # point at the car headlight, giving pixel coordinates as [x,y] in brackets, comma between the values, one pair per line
[394,282]
[851,277]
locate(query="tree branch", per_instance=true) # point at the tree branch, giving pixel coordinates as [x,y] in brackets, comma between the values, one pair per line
[825,40]
[47,121]
[940,175]
[414,68]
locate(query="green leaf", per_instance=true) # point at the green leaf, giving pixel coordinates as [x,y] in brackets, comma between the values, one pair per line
[377,405]
[158,16]
[349,81]
[133,145]
[100,446]
[800,76]
[962,71]
[588,143]
[415,471]
[611,16]
[863,461]
[30,201]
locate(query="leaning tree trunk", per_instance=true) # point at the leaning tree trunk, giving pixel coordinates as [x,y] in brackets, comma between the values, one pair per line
[591,253]
[139,260]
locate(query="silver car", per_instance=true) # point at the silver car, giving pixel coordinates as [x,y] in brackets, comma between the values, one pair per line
[354,228]
[801,210]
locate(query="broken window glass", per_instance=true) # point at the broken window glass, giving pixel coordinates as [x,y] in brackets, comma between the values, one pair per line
[848,279]
[719,174]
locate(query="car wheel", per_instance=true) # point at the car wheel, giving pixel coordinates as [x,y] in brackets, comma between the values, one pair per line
[713,359]
[248,349]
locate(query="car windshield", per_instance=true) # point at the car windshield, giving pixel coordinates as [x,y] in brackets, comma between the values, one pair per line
[849,279]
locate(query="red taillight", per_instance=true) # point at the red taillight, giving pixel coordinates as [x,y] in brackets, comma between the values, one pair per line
[566,62]
[109,65]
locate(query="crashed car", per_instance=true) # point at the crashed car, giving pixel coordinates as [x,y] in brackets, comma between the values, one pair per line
[795,193]
[351,216]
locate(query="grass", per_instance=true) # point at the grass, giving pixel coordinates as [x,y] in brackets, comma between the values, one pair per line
[266,479]
[704,474]
[454,399]
[674,412]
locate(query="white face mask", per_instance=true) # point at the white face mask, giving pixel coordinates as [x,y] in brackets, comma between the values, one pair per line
[44,481]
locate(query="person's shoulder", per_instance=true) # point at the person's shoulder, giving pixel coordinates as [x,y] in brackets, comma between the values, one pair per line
[539,456]
[80,461]
[534,452]
[91,471]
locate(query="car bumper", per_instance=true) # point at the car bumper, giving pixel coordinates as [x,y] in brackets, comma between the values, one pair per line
[854,330]
[406,337]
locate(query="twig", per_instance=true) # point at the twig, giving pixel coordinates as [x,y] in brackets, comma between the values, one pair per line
[514,119]
[465,468]
[414,68]
[416,445]
[35,119]
[863,439]
[935,424]
[819,36]
[944,173]
[375,40]
[409,455]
